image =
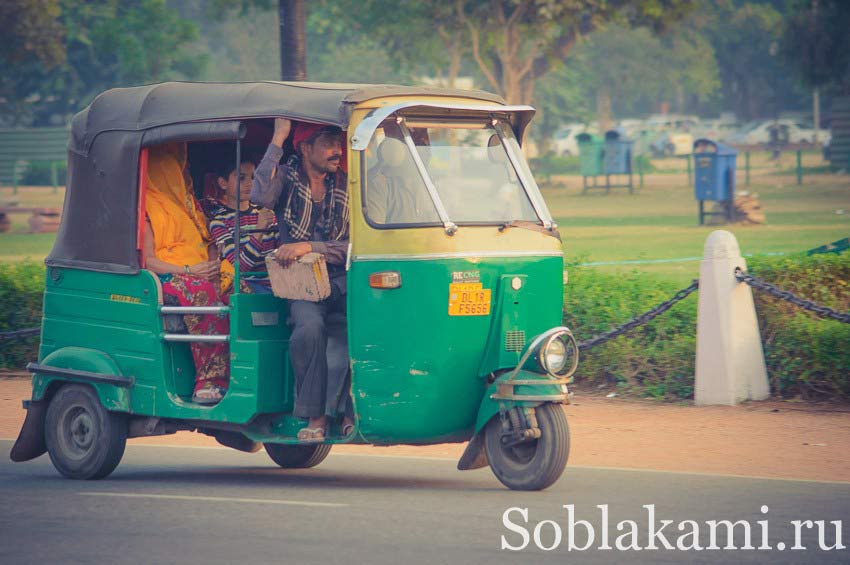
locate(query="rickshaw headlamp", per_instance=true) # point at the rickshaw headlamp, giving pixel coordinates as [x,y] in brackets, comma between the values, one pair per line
[559,355]
[555,356]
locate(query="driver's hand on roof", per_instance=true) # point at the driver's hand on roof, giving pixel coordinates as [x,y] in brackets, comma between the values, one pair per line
[208,270]
[282,126]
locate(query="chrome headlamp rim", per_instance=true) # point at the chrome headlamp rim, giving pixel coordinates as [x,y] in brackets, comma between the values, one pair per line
[570,342]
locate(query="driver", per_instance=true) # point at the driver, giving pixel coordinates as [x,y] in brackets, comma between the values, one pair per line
[308,194]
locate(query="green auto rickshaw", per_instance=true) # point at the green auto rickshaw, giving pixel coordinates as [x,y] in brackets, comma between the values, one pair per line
[455,286]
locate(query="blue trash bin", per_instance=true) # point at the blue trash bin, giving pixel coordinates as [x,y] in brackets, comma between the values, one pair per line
[714,178]
[618,154]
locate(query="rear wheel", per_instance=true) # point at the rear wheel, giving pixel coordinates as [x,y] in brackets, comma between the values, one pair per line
[535,464]
[297,456]
[84,440]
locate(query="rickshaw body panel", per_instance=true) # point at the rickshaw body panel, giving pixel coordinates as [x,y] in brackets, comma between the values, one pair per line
[417,372]
[110,324]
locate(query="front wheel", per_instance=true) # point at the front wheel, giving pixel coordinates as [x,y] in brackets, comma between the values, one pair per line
[297,456]
[534,464]
[84,440]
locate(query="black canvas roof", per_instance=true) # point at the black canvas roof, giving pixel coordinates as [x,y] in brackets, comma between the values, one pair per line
[98,230]
[145,107]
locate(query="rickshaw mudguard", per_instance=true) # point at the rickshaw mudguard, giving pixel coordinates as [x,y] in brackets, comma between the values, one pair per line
[474,456]
[85,366]
[490,406]
[30,443]
[66,365]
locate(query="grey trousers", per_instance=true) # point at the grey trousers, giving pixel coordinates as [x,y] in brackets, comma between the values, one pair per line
[318,350]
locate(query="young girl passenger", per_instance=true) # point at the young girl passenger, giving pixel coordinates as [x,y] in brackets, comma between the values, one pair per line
[259,233]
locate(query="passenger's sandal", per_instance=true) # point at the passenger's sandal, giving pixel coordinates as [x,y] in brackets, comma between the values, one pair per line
[311,435]
[209,394]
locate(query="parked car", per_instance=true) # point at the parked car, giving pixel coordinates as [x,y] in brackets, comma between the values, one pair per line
[565,142]
[805,133]
[755,133]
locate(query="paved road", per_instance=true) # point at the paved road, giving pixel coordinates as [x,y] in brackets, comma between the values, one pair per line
[197,505]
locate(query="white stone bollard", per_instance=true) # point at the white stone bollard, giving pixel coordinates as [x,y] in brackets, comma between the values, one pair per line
[730,361]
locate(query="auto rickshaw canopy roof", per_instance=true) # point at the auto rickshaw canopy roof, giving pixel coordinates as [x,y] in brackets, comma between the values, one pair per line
[99,229]
[146,107]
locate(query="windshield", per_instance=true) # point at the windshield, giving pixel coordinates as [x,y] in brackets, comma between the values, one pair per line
[469,167]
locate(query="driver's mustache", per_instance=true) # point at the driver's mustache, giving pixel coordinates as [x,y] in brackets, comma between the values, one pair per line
[335,158]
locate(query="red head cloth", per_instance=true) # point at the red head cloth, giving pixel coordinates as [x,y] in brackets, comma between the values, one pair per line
[302,131]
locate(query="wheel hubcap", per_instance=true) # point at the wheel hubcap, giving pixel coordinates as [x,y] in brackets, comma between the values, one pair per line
[78,432]
[81,431]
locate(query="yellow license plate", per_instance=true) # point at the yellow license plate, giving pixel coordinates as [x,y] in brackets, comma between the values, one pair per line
[469,299]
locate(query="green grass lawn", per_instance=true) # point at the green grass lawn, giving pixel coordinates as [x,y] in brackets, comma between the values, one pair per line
[658,222]
[17,244]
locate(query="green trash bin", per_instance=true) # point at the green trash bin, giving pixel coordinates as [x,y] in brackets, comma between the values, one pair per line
[591,154]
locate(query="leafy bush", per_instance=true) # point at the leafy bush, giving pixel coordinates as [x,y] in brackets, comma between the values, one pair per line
[21,291]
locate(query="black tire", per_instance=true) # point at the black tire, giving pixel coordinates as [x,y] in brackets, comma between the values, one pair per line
[84,440]
[297,456]
[536,464]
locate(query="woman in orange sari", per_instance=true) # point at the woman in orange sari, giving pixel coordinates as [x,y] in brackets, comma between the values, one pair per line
[178,249]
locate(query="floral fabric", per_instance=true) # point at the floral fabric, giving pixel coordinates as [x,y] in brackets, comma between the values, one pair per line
[212,360]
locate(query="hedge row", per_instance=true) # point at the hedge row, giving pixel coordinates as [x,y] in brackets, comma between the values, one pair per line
[21,289]
[806,356]
[657,358]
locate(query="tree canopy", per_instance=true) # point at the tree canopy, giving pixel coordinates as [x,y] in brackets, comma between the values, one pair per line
[817,42]
[574,59]
[98,45]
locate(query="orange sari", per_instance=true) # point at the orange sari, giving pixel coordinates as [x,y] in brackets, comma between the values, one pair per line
[179,226]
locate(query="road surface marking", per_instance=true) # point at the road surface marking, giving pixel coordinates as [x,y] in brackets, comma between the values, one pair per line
[216,499]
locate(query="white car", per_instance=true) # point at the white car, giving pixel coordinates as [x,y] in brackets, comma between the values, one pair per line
[565,142]
[758,133]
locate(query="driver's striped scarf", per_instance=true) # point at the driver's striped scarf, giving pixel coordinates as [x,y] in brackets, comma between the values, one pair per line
[298,212]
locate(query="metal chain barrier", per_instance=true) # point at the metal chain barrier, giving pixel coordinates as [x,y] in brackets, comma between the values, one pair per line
[640,320]
[776,292]
[19,334]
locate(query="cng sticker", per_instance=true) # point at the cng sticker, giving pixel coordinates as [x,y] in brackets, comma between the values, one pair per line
[466,276]
[469,299]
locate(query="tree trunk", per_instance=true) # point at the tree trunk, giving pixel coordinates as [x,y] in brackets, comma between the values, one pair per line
[293,39]
[603,108]
[455,59]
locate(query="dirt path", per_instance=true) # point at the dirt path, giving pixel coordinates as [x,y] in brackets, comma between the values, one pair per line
[760,439]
